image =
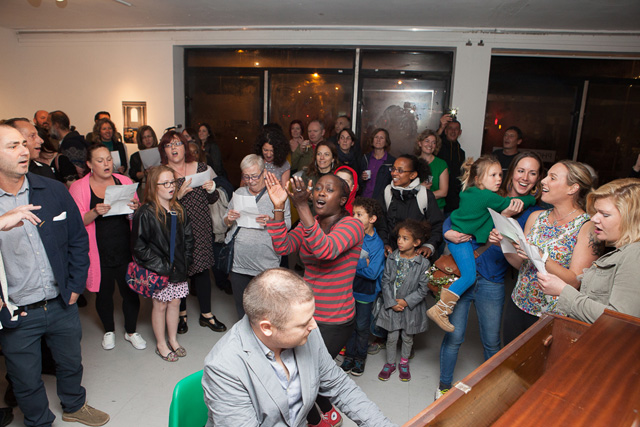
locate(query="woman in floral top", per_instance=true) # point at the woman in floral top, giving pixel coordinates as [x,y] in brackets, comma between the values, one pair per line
[565,233]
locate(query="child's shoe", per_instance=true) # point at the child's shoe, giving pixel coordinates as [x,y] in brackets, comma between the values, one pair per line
[332,418]
[440,312]
[405,374]
[440,393]
[358,368]
[386,372]
[376,346]
[347,365]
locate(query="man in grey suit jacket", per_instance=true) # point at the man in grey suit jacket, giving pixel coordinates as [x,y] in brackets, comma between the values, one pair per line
[269,368]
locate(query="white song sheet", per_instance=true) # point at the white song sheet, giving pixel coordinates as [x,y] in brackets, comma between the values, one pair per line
[200,178]
[510,229]
[119,197]
[248,209]
[115,155]
[150,157]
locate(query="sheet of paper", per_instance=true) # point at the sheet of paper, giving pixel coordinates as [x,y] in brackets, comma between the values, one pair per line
[510,229]
[248,209]
[115,155]
[199,178]
[150,157]
[119,197]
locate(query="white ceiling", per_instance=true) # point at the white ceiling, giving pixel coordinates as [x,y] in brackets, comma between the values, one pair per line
[569,15]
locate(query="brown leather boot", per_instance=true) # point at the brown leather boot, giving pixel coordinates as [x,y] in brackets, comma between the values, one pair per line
[440,312]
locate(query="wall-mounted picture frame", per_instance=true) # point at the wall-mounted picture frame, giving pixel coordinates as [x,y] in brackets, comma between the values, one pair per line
[135,116]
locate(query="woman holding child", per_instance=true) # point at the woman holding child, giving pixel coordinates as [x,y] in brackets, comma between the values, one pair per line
[487,293]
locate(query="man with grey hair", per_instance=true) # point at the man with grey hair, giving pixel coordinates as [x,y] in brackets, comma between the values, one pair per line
[269,368]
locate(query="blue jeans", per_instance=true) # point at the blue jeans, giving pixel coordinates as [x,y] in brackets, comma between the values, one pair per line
[359,341]
[463,255]
[488,298]
[60,327]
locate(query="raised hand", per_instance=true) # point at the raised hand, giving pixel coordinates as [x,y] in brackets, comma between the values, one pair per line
[299,191]
[277,194]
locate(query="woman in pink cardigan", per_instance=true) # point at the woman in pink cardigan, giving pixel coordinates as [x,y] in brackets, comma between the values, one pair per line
[109,245]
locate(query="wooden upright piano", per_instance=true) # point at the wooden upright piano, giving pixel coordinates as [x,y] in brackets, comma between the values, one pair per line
[560,372]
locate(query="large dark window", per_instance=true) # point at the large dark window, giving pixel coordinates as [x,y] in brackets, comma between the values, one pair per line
[237,90]
[587,109]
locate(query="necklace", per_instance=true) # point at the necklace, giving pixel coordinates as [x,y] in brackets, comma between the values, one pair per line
[560,219]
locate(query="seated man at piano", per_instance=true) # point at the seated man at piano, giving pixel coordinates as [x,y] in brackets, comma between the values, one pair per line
[613,280]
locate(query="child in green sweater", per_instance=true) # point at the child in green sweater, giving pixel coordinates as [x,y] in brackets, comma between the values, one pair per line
[480,184]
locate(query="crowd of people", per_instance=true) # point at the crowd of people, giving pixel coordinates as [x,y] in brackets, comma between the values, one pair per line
[365,226]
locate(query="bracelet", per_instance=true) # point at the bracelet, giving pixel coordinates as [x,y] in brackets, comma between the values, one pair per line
[277,210]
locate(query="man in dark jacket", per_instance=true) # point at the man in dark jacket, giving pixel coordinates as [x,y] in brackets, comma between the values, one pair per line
[46,262]
[72,144]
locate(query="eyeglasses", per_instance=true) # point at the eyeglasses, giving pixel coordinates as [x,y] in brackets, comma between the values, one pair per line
[174,144]
[168,184]
[249,178]
[392,169]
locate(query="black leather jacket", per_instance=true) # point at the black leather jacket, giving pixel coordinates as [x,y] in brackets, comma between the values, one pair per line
[150,242]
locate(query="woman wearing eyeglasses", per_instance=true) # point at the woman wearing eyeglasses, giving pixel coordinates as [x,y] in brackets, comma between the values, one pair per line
[174,153]
[404,199]
[253,251]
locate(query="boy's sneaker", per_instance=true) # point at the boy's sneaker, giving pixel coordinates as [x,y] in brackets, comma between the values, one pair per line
[440,393]
[358,368]
[375,347]
[405,374]
[332,418]
[386,372]
[347,365]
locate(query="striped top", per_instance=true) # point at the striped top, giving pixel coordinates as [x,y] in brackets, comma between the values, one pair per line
[330,263]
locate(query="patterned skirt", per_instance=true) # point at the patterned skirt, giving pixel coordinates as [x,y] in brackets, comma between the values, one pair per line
[172,291]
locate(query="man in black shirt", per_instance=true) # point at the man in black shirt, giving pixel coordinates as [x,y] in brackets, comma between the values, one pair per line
[510,141]
[452,153]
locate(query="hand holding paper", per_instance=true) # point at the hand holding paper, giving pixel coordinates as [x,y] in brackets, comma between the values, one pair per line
[119,197]
[516,242]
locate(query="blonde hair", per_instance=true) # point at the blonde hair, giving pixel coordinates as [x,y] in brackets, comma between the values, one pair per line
[417,150]
[578,174]
[476,170]
[625,195]
[151,194]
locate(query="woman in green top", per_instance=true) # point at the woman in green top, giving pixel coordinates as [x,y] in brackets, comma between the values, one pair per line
[427,146]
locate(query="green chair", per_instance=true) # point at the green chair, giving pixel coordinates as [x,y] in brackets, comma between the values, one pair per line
[187,405]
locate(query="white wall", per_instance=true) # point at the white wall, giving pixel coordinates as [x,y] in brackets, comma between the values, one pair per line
[81,73]
[83,77]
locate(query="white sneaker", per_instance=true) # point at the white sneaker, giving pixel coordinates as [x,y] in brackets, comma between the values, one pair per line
[440,393]
[136,340]
[109,341]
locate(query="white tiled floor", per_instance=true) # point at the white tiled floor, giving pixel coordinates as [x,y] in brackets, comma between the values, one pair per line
[135,387]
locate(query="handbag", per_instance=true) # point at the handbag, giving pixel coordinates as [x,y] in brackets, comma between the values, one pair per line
[444,272]
[225,257]
[144,281]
